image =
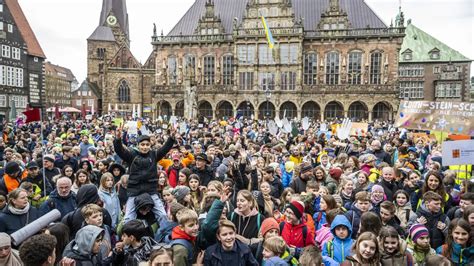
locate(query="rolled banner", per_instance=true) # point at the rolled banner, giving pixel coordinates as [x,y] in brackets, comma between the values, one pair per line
[31,229]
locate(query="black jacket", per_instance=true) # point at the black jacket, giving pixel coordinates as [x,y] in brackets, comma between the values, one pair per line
[389,188]
[143,170]
[206,175]
[216,256]
[60,163]
[437,236]
[10,223]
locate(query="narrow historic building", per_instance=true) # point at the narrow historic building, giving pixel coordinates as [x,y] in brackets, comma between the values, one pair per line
[111,67]
[60,82]
[21,62]
[430,70]
[331,58]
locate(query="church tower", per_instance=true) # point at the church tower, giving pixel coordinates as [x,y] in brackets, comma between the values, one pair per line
[111,34]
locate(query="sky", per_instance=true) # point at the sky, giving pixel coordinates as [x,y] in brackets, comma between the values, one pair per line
[63,26]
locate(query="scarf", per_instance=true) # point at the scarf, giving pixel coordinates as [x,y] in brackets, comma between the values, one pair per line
[16,211]
[420,253]
[13,259]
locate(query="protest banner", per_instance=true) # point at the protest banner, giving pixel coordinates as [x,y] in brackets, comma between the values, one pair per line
[458,152]
[452,117]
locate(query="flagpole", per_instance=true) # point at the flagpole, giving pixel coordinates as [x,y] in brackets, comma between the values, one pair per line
[42,151]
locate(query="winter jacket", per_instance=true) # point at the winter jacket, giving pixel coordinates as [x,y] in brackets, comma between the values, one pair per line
[240,255]
[74,220]
[418,256]
[111,204]
[173,174]
[417,201]
[459,255]
[206,175]
[293,235]
[331,184]
[80,249]
[39,182]
[286,177]
[8,183]
[247,226]
[389,188]
[401,257]
[61,162]
[50,173]
[338,248]
[323,235]
[406,216]
[298,185]
[437,236]
[208,228]
[143,168]
[353,215]
[276,187]
[64,205]
[10,223]
[395,223]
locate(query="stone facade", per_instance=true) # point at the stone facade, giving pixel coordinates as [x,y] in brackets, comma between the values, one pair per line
[60,82]
[293,91]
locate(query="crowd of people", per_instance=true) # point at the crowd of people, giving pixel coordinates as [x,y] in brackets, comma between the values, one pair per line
[230,192]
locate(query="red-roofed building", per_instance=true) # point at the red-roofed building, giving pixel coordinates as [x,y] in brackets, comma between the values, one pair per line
[21,62]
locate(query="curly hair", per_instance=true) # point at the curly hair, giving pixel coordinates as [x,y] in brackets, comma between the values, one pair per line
[37,249]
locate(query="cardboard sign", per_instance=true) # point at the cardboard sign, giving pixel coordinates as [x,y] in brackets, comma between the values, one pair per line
[359,129]
[132,128]
[458,152]
[426,138]
[453,117]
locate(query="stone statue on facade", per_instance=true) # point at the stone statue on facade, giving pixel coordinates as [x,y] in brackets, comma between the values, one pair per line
[190,100]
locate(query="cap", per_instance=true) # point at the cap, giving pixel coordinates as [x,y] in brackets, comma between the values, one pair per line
[32,164]
[201,156]
[143,138]
[49,158]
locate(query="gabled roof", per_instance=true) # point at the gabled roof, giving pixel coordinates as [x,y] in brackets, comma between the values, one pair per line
[359,13]
[119,8]
[33,46]
[102,33]
[119,53]
[86,85]
[63,72]
[422,44]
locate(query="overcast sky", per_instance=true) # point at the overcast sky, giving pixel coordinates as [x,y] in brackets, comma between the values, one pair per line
[63,26]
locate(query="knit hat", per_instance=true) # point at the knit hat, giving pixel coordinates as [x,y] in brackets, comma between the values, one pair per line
[12,168]
[297,207]
[5,240]
[175,208]
[335,172]
[269,224]
[377,188]
[417,231]
[180,192]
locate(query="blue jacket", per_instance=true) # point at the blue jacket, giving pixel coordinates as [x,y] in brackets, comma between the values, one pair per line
[285,176]
[64,205]
[353,215]
[112,204]
[459,255]
[338,248]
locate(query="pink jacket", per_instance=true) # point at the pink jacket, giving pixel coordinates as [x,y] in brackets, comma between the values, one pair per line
[323,235]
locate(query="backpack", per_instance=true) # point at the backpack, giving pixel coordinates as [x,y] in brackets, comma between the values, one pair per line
[189,247]
[305,231]
[330,249]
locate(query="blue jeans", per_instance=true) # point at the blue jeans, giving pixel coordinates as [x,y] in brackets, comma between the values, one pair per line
[158,210]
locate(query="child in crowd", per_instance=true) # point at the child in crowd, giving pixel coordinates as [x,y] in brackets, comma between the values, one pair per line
[419,243]
[360,206]
[393,249]
[458,248]
[184,237]
[85,248]
[273,248]
[431,215]
[294,229]
[403,209]
[340,246]
[365,251]
[92,214]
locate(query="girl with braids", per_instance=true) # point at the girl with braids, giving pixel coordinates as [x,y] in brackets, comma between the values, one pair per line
[458,248]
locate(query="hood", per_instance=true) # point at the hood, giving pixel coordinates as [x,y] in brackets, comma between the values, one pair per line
[87,194]
[85,239]
[275,261]
[178,233]
[116,165]
[341,220]
[143,200]
[423,211]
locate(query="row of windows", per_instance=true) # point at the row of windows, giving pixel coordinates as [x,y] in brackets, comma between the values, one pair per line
[90,102]
[13,52]
[11,76]
[9,27]
[448,90]
[412,89]
[411,71]
[246,55]
[288,54]
[20,101]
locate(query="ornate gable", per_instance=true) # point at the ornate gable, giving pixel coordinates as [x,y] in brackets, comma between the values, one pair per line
[210,23]
[333,19]
[124,59]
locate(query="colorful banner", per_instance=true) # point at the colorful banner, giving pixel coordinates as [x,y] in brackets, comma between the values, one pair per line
[458,152]
[452,117]
[359,129]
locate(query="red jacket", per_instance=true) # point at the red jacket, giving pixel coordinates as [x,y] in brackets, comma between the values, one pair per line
[293,235]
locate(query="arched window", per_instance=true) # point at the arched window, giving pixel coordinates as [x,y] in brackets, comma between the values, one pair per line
[124,92]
